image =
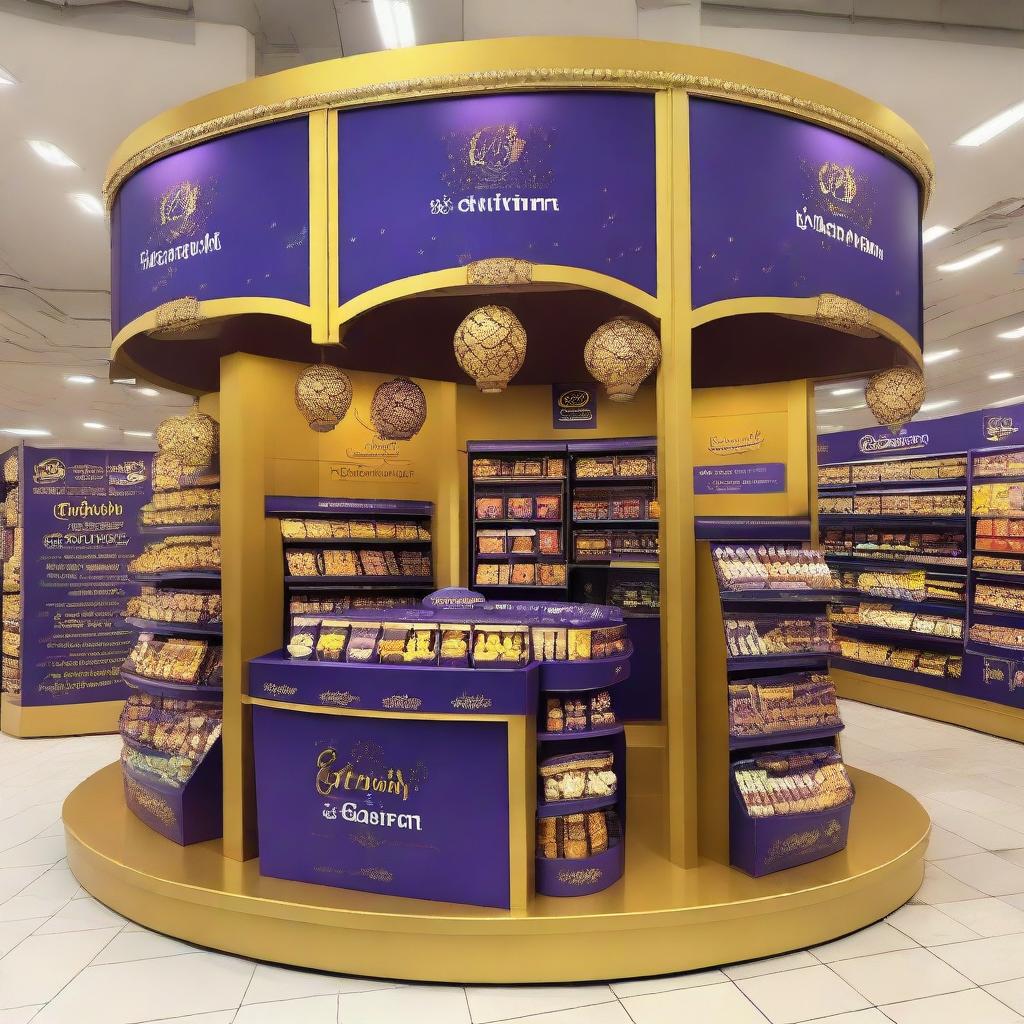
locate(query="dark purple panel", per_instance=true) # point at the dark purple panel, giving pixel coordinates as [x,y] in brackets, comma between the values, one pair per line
[766,188]
[296,506]
[761,528]
[81,510]
[944,436]
[574,406]
[399,806]
[224,219]
[743,478]
[553,177]
[639,699]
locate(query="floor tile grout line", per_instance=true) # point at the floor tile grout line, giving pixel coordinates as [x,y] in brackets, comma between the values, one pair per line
[543,1013]
[757,1009]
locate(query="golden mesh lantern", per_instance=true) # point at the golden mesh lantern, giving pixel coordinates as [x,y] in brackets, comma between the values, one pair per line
[490,346]
[398,409]
[323,395]
[895,396]
[194,439]
[621,355]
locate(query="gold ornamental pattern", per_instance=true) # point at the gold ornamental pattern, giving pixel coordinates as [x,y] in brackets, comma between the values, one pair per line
[499,270]
[179,316]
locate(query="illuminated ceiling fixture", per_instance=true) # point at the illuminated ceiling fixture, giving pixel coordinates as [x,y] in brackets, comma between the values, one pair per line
[1009,401]
[839,392]
[1000,375]
[988,130]
[937,357]
[79,378]
[148,392]
[1015,335]
[394,21]
[6,78]
[87,203]
[941,404]
[969,261]
[822,412]
[51,154]
[25,431]
[89,424]
[138,433]
[935,231]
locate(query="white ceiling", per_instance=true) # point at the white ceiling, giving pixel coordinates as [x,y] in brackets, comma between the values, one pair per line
[89,71]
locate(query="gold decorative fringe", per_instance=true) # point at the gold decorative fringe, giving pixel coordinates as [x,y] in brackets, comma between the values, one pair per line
[842,314]
[499,270]
[179,316]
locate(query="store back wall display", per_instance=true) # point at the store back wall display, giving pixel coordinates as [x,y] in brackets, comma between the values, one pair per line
[784,208]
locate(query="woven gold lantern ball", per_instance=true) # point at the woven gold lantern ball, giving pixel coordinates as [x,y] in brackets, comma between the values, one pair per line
[398,409]
[194,438]
[323,395]
[620,355]
[895,396]
[490,346]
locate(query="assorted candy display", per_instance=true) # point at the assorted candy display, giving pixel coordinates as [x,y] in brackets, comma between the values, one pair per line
[782,704]
[178,554]
[998,636]
[176,660]
[185,607]
[762,635]
[578,776]
[353,529]
[997,596]
[952,467]
[578,713]
[929,663]
[894,504]
[541,465]
[997,500]
[1000,535]
[999,464]
[578,836]
[615,465]
[902,585]
[377,561]
[887,617]
[771,567]
[936,547]
[591,503]
[792,782]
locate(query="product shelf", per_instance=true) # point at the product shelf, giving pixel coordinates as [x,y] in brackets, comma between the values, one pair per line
[759,662]
[929,606]
[580,676]
[186,530]
[175,628]
[891,521]
[360,582]
[553,523]
[182,576]
[779,596]
[339,542]
[993,650]
[899,562]
[957,483]
[653,562]
[519,556]
[979,479]
[516,481]
[586,481]
[783,738]
[895,674]
[986,614]
[557,808]
[649,523]
[997,575]
[583,734]
[884,634]
[177,691]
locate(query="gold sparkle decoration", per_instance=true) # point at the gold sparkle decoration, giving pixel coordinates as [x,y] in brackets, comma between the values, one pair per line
[323,394]
[895,396]
[499,270]
[398,409]
[151,802]
[11,468]
[193,439]
[842,314]
[580,876]
[490,346]
[179,316]
[621,354]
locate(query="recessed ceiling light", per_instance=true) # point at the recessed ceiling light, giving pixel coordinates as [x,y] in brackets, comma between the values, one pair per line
[138,433]
[79,378]
[935,231]
[87,203]
[394,21]
[148,392]
[25,431]
[94,426]
[969,261]
[937,357]
[1000,375]
[6,78]
[831,428]
[940,404]
[826,411]
[51,154]
[839,392]
[1009,401]
[1013,335]
[122,380]
[863,405]
[994,126]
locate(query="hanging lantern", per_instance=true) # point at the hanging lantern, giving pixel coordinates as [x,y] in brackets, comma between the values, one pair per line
[490,345]
[398,409]
[323,394]
[193,439]
[895,396]
[621,355]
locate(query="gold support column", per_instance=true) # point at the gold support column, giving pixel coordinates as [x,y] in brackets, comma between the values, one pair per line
[675,471]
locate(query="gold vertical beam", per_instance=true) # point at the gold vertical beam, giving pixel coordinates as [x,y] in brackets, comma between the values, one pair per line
[318,229]
[675,473]
[521,736]
[797,449]
[333,228]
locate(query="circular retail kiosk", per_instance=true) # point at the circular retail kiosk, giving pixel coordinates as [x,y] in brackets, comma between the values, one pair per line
[765,224]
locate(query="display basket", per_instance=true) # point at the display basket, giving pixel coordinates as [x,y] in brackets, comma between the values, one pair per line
[583,876]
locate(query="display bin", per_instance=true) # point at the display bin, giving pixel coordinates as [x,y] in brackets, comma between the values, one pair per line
[185,814]
[562,876]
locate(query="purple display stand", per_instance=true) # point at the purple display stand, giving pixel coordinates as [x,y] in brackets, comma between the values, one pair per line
[560,876]
[185,814]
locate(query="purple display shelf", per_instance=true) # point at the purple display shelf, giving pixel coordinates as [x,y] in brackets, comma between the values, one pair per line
[586,481]
[186,814]
[907,636]
[956,483]
[852,561]
[742,528]
[177,691]
[425,689]
[189,530]
[582,877]
[512,447]
[361,582]
[898,675]
[292,506]
[197,575]
[780,596]
[650,523]
[997,480]
[612,446]
[519,556]
[584,562]
[522,586]
[176,628]
[934,606]
[993,650]
[516,481]
[997,616]
[1000,515]
[784,738]
[583,734]
[592,803]
[518,522]
[902,522]
[998,575]
[744,663]
[341,542]
[581,676]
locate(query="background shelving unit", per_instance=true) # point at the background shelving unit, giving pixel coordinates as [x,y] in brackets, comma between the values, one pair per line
[11,602]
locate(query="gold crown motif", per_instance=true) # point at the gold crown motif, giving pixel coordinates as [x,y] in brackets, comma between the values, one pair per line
[179,203]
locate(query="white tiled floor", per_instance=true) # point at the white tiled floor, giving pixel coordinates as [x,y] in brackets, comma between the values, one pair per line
[953,955]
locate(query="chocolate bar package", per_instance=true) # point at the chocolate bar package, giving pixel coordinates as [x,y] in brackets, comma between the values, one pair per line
[454,647]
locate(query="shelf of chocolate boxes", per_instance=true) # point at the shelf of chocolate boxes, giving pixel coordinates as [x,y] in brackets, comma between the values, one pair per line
[944,470]
[921,546]
[12,561]
[530,554]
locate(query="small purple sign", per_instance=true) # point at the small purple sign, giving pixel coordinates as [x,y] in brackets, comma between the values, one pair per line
[404,807]
[81,510]
[786,208]
[562,178]
[744,478]
[573,407]
[228,218]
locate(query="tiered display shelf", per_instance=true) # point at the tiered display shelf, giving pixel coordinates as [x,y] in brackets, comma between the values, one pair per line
[11,608]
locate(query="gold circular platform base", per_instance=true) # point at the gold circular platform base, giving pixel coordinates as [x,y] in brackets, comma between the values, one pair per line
[658,919]
[61,720]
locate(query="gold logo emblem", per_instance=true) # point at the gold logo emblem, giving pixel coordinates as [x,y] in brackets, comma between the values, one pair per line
[722,444]
[837,183]
[496,147]
[49,471]
[178,206]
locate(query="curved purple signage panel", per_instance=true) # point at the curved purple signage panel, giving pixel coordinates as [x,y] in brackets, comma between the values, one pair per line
[559,177]
[228,218]
[784,208]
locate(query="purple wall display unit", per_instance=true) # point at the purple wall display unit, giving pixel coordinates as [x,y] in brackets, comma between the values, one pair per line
[823,213]
[228,218]
[79,512]
[433,184]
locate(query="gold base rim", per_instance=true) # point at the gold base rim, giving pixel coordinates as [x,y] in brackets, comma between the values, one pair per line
[93,719]
[658,919]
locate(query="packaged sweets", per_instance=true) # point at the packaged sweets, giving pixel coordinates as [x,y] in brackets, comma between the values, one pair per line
[548,506]
[554,466]
[333,639]
[608,641]
[576,836]
[528,467]
[522,541]
[339,562]
[997,636]
[360,529]
[523,574]
[391,643]
[551,574]
[491,542]
[192,607]
[549,643]
[454,647]
[172,770]
[183,727]
[178,516]
[178,554]
[793,782]
[635,465]
[519,508]
[302,563]
[421,644]
[303,636]
[196,497]
[578,776]
[771,567]
[11,468]
[579,713]
[174,660]
[787,703]
[599,466]
[501,645]
[486,468]
[391,563]
[490,508]
[414,563]
[362,642]
[579,644]
[549,542]
[487,574]
[372,562]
